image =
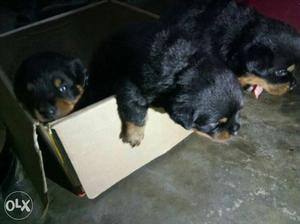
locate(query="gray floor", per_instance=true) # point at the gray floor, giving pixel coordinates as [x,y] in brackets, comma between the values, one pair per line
[254,178]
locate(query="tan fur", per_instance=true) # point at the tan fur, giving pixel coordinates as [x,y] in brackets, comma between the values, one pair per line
[223,120]
[222,136]
[273,89]
[65,107]
[57,82]
[132,134]
[291,68]
[203,134]
[81,90]
[218,137]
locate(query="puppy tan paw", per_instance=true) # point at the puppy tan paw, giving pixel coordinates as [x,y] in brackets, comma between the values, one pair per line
[132,134]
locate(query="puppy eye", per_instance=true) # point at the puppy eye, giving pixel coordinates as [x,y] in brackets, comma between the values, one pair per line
[281,73]
[62,88]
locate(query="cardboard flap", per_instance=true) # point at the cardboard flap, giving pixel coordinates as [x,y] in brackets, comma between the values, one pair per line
[22,131]
[100,159]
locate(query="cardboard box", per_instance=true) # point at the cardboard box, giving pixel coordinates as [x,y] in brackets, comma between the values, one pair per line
[85,145]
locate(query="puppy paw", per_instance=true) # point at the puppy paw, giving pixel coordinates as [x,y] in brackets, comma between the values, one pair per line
[132,134]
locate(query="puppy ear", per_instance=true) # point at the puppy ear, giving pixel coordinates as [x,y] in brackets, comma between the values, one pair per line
[79,71]
[258,58]
[183,116]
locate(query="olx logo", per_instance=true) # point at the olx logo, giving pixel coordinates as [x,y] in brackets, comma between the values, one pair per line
[18,205]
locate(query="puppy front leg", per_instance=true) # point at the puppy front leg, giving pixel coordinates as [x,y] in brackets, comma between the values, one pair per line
[132,108]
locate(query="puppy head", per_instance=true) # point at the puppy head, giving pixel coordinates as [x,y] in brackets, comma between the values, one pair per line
[50,85]
[54,97]
[210,104]
[268,70]
[269,61]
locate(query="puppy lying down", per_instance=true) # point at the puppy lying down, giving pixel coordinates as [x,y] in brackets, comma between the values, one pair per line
[150,66]
[156,66]
[261,51]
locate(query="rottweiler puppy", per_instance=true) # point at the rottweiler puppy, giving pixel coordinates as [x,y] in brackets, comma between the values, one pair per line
[157,66]
[261,51]
[50,85]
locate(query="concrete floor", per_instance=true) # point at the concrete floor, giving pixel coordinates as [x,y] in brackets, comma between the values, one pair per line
[254,178]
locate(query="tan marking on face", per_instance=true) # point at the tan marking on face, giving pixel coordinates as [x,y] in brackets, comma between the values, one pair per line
[57,82]
[273,89]
[220,137]
[291,68]
[132,133]
[223,120]
[63,107]
[203,134]
[81,89]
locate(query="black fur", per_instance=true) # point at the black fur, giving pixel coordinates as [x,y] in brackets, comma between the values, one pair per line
[247,42]
[35,84]
[156,65]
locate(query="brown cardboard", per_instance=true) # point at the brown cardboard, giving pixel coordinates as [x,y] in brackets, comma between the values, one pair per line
[85,144]
[22,130]
[100,159]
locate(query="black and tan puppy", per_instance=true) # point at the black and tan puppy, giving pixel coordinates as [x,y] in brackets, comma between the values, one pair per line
[157,66]
[261,51]
[50,85]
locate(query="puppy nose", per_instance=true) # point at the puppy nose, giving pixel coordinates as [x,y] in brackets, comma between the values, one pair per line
[234,129]
[293,84]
